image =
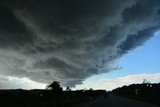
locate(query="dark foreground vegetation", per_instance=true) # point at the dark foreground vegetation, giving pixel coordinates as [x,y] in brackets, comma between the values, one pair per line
[46,98]
[53,96]
[146,92]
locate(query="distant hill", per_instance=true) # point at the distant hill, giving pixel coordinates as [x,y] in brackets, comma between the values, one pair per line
[147,92]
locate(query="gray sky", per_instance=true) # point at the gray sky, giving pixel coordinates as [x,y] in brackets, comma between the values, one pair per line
[71,40]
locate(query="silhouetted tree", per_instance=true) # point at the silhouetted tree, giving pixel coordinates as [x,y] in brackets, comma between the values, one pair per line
[55,86]
[91,89]
[68,89]
[145,81]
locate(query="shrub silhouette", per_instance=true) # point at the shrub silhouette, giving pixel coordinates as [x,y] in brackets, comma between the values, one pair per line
[54,86]
[68,89]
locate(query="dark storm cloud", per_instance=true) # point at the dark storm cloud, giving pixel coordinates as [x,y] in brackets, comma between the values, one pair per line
[13,32]
[70,40]
[132,41]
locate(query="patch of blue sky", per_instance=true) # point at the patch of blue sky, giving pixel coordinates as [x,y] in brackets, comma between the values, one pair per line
[143,59]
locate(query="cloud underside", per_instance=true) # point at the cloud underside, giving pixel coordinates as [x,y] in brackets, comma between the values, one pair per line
[69,41]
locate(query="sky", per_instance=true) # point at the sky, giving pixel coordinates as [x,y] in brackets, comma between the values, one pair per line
[81,43]
[136,66]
